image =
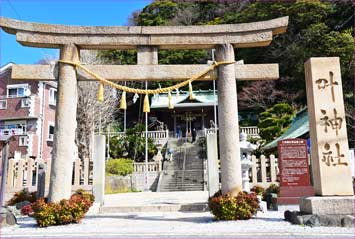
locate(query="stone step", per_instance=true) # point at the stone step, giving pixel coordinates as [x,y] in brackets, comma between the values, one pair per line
[190,207]
[180,189]
[182,186]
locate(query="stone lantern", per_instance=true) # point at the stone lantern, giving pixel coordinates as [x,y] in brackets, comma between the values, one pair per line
[245,151]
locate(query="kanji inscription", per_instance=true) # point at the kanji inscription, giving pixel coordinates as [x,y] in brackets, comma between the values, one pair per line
[334,122]
[324,83]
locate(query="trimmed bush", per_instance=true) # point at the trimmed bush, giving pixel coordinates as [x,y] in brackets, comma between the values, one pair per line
[226,207]
[23,195]
[64,212]
[121,166]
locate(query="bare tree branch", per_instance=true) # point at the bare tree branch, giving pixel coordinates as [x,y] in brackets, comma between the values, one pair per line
[91,113]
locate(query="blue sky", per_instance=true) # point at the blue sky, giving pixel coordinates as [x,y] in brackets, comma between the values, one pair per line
[69,12]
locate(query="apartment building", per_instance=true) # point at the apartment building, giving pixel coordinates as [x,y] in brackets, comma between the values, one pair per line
[27,111]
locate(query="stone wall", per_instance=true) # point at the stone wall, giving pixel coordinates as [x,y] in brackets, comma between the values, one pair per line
[132,182]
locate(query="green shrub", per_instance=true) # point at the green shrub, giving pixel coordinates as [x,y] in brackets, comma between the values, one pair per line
[259,190]
[23,195]
[119,166]
[64,212]
[273,188]
[226,207]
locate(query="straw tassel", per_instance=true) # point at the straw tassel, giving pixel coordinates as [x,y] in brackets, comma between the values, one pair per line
[100,93]
[170,105]
[146,108]
[191,97]
[123,104]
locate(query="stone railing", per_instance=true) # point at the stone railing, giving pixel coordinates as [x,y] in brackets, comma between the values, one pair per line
[23,173]
[152,167]
[252,131]
[210,131]
[158,136]
[264,171]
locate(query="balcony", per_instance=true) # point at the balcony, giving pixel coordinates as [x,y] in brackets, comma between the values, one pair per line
[14,129]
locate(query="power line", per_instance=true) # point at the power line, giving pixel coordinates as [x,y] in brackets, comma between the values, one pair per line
[13,8]
[44,51]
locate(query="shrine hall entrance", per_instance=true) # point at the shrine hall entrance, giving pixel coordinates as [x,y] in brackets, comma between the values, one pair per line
[189,116]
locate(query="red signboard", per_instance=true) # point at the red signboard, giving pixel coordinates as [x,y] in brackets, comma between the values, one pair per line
[293,162]
[294,171]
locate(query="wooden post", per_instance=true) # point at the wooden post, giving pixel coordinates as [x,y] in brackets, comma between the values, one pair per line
[228,122]
[64,147]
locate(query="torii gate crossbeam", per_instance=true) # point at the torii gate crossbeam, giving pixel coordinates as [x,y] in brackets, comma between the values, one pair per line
[70,39]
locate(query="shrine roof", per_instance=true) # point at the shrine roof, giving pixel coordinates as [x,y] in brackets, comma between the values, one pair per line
[299,127]
[181,99]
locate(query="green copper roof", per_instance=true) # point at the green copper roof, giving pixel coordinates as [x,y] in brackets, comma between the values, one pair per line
[181,99]
[299,127]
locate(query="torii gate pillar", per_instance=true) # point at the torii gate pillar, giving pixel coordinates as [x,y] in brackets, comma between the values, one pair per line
[231,180]
[64,148]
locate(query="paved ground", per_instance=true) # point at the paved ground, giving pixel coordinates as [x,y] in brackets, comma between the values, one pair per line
[174,225]
[153,198]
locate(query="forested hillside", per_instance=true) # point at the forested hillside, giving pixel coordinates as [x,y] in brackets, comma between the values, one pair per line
[316,28]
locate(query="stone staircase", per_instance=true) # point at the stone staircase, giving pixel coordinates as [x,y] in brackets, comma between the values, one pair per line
[185,171]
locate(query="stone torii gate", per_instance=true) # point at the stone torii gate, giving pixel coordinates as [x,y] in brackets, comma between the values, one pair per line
[147,40]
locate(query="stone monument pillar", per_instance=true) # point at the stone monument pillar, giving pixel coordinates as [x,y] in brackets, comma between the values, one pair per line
[329,142]
[327,127]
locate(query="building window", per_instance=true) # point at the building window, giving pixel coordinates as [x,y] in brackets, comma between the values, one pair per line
[23,141]
[3,104]
[25,102]
[50,132]
[52,96]
[19,90]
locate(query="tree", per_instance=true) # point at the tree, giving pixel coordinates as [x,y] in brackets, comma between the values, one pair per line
[261,94]
[132,145]
[316,29]
[91,113]
[274,121]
